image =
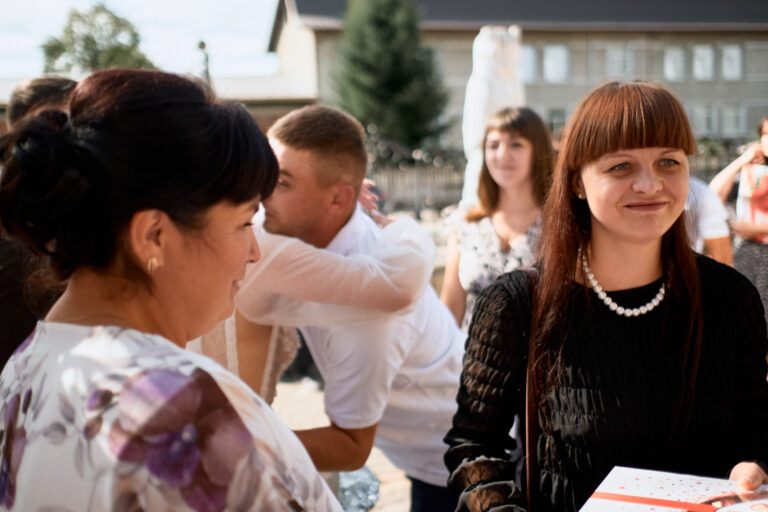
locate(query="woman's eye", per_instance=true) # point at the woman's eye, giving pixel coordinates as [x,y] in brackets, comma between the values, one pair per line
[620,167]
[669,162]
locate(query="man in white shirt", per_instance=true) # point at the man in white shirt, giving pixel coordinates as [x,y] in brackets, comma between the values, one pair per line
[708,222]
[389,379]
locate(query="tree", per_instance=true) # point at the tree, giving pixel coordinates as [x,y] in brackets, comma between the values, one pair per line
[97,39]
[386,78]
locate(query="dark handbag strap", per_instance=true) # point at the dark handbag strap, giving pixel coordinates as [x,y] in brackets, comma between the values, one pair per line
[531,417]
[531,430]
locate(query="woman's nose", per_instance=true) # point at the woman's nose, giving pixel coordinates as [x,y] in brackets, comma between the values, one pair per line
[647,181]
[254,253]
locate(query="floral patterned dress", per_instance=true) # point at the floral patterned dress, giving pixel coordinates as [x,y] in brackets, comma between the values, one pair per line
[481,259]
[106,418]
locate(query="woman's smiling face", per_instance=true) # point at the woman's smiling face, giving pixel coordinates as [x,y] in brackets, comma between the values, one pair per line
[635,195]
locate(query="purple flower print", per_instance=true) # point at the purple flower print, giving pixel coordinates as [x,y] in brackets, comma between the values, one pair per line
[21,348]
[184,430]
[14,441]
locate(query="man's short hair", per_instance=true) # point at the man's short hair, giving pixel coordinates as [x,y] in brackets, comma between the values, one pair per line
[330,134]
[32,95]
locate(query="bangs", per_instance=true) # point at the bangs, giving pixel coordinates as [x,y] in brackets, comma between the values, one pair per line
[626,116]
[510,120]
[247,167]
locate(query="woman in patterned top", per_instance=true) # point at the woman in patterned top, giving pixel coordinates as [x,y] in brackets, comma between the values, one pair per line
[141,200]
[501,232]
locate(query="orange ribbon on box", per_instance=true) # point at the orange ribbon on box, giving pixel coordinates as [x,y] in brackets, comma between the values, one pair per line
[641,500]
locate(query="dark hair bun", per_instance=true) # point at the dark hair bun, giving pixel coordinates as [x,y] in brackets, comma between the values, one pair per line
[42,186]
[135,140]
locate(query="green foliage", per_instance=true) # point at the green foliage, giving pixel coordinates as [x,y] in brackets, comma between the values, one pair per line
[386,78]
[97,39]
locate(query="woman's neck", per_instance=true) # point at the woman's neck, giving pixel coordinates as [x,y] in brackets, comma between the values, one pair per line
[93,298]
[517,200]
[516,210]
[620,266]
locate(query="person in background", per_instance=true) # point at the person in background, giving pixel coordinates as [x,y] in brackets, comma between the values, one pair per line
[501,232]
[141,199]
[628,348]
[708,222]
[751,224]
[20,305]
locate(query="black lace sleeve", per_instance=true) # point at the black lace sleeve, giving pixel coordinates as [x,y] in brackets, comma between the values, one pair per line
[492,391]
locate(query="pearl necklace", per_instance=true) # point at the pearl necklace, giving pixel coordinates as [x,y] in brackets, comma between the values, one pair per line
[627,312]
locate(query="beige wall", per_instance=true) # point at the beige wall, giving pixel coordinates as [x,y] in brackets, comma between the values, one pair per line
[588,67]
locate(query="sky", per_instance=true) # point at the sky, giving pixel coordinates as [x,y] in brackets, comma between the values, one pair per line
[236,33]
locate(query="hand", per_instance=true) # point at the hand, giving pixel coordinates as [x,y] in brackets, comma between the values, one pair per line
[748,475]
[381,219]
[368,200]
[367,197]
[752,155]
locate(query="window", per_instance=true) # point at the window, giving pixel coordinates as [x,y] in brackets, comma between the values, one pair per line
[731,64]
[556,120]
[703,62]
[556,63]
[526,68]
[732,121]
[619,62]
[702,120]
[674,63]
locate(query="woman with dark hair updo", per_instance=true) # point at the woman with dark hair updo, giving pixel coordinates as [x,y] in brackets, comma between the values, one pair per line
[141,201]
[627,347]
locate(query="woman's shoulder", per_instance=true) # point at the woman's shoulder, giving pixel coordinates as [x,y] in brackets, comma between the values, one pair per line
[725,286]
[517,283]
[462,219]
[508,296]
[714,274]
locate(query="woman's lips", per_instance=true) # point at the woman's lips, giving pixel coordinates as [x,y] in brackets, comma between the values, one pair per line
[646,206]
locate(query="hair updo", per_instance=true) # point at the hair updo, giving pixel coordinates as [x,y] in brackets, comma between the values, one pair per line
[133,140]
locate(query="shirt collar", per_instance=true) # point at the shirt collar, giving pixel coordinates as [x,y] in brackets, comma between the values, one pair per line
[351,234]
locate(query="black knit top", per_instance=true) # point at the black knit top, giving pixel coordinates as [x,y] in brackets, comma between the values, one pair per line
[616,401]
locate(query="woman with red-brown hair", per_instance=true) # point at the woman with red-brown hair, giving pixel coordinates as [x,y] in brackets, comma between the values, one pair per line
[641,353]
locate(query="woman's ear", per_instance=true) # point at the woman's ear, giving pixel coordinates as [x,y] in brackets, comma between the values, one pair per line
[147,234]
[577,186]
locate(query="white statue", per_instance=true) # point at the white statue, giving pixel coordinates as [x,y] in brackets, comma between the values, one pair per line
[493,85]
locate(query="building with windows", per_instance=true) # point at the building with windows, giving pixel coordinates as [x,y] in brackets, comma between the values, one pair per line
[713,55]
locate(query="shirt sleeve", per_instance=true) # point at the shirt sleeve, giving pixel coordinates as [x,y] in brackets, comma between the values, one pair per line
[712,216]
[491,393]
[296,284]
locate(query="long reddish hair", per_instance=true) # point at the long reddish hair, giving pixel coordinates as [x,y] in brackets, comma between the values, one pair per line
[614,116]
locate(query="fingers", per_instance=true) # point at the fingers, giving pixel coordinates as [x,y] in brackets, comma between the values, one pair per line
[748,475]
[368,199]
[381,219]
